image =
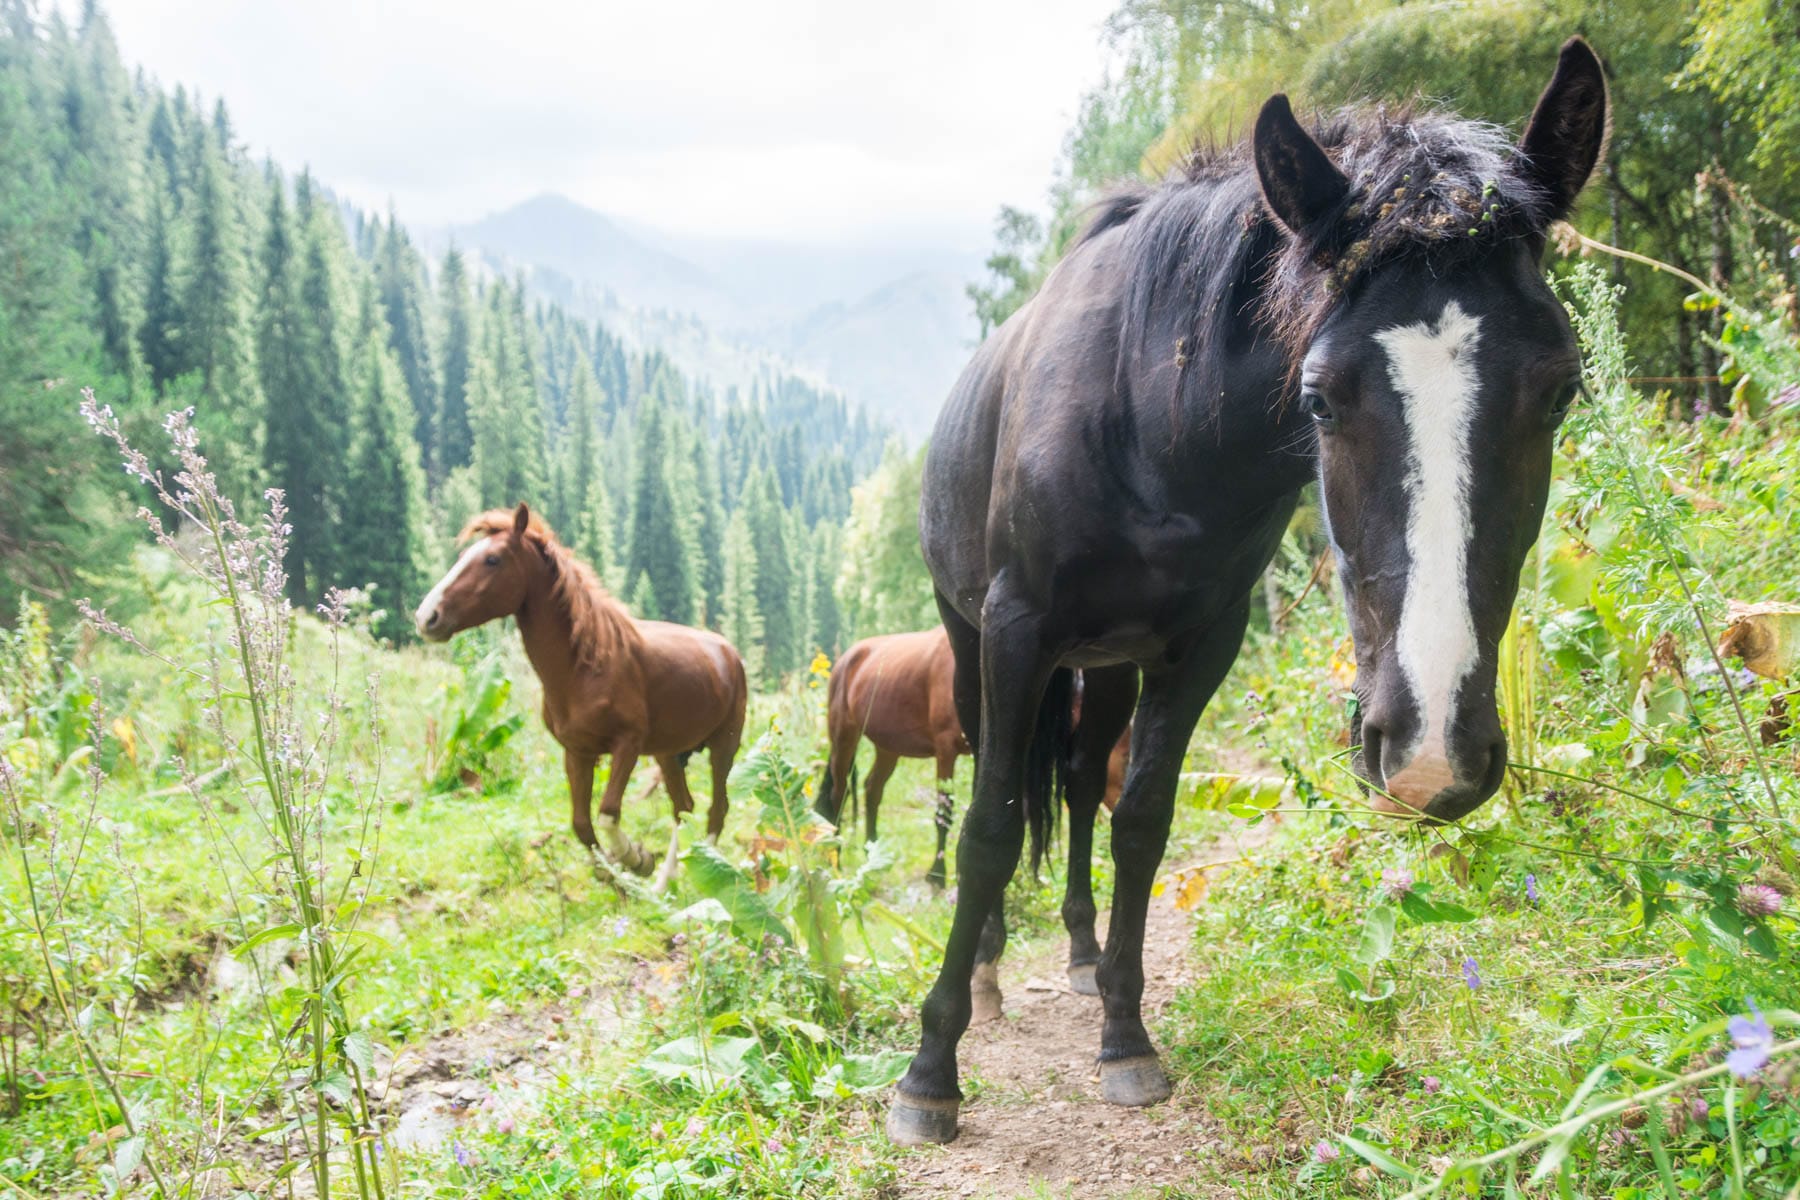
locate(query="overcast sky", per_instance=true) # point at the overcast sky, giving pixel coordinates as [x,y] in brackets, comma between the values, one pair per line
[787,119]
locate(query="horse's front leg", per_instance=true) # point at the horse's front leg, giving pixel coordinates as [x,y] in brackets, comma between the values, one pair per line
[1015,667]
[624,851]
[580,770]
[1107,697]
[1174,697]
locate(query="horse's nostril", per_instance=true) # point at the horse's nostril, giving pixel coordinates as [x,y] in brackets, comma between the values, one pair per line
[431,621]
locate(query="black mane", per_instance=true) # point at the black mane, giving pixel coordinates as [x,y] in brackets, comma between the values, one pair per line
[1423,185]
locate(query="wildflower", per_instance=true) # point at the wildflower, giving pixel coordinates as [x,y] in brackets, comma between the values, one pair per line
[1531,892]
[772,1145]
[1471,974]
[505,1125]
[1700,1108]
[695,1127]
[461,1153]
[1325,1152]
[1397,883]
[1752,1041]
[1433,1085]
[620,925]
[1758,900]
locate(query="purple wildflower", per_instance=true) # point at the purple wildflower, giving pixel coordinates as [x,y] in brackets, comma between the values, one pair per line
[1325,1152]
[1752,1041]
[620,925]
[1531,892]
[1433,1085]
[695,1127]
[1471,974]
[461,1153]
[1758,900]
[1397,883]
[505,1125]
[1700,1108]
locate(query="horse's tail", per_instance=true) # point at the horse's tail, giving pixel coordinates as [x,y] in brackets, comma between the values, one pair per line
[830,803]
[1047,762]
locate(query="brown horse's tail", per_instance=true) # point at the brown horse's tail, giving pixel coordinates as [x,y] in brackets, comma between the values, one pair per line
[830,803]
[1047,762]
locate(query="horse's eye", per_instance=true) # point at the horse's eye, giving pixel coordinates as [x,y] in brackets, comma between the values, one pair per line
[1563,399]
[1319,408]
[492,560]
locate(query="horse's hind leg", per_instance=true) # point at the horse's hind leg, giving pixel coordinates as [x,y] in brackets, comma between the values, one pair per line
[721,753]
[1107,697]
[879,773]
[1015,667]
[943,813]
[985,1000]
[681,801]
[1173,699]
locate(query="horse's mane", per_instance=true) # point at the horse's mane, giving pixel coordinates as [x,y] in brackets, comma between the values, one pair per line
[601,625]
[1424,185]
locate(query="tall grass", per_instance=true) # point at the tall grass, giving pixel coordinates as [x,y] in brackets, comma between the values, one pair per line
[296,875]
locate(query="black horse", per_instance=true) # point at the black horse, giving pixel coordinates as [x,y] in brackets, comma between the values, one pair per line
[1116,466]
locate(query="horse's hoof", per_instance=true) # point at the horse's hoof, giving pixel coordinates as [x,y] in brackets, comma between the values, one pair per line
[916,1121]
[1134,1082]
[984,994]
[1082,980]
[936,880]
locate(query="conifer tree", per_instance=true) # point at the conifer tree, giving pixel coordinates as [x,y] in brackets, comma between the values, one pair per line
[775,581]
[505,413]
[740,620]
[455,438]
[159,337]
[659,546]
[401,277]
[383,520]
[709,533]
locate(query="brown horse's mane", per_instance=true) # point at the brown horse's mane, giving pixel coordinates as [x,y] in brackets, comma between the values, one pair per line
[601,626]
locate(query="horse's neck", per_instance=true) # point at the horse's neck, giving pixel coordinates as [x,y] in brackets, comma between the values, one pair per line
[548,630]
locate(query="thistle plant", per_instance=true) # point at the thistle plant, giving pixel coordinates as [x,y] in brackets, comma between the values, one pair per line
[299,871]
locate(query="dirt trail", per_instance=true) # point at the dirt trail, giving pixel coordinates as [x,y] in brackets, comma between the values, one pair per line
[1038,1125]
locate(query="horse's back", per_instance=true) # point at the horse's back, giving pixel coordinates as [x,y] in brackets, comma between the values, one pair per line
[695,683]
[884,687]
[1022,406]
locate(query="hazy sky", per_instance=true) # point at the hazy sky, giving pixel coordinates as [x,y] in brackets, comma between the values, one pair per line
[785,118]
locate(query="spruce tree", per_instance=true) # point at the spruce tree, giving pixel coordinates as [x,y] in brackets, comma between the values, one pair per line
[382,525]
[709,533]
[401,278]
[659,547]
[455,438]
[775,581]
[740,620]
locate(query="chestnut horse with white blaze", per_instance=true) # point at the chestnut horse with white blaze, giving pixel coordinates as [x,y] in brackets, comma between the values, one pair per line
[613,685]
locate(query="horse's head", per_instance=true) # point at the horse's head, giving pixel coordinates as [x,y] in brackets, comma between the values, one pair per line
[490,578]
[1436,365]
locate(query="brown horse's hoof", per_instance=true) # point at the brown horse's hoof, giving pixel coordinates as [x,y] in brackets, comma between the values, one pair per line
[1082,980]
[1134,1082]
[916,1121]
[984,994]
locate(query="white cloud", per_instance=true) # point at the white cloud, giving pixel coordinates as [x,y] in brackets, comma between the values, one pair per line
[794,119]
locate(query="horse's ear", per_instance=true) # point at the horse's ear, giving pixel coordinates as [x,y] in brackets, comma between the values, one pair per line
[1300,183]
[1568,129]
[521,519]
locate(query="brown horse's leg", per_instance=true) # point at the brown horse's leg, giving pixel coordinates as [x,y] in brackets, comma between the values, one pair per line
[879,773]
[944,812]
[580,770]
[674,775]
[722,754]
[623,850]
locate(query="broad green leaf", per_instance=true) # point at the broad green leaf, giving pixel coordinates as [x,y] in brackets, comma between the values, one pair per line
[1377,936]
[360,1051]
[718,879]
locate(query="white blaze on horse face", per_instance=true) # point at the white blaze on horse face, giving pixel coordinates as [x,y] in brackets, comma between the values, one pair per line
[1433,369]
[435,597]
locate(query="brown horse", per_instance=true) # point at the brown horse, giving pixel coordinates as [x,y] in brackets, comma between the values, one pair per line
[897,691]
[612,684]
